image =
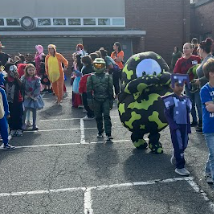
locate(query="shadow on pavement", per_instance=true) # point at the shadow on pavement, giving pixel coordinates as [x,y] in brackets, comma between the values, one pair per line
[102,159]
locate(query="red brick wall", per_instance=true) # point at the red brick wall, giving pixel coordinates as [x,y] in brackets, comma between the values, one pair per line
[204,16]
[163,21]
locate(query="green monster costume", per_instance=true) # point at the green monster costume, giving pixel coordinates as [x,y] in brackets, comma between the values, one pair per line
[145,79]
[193,75]
[100,96]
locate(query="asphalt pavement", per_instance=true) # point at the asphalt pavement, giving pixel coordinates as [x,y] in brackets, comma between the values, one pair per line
[64,169]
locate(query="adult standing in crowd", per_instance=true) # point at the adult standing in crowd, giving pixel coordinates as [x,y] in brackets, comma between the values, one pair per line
[4,58]
[175,56]
[118,55]
[182,66]
[54,70]
[204,51]
[194,43]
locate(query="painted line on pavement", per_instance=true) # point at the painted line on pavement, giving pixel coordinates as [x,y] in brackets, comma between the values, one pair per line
[101,187]
[87,190]
[197,189]
[50,130]
[68,144]
[88,201]
[71,129]
[82,132]
[47,120]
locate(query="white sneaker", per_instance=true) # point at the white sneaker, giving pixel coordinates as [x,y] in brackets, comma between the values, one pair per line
[29,124]
[209,179]
[87,118]
[183,171]
[13,133]
[172,160]
[19,133]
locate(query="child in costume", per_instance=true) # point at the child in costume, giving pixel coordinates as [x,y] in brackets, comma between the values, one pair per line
[177,110]
[87,70]
[100,97]
[207,99]
[13,88]
[32,98]
[4,114]
[44,77]
[38,58]
[77,66]
[3,74]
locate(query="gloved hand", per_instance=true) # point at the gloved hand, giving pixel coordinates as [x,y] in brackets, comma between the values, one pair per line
[90,104]
[111,103]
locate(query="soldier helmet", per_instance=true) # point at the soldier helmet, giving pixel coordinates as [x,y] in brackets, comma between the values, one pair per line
[99,65]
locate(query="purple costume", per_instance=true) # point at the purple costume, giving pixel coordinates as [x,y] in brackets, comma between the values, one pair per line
[177,111]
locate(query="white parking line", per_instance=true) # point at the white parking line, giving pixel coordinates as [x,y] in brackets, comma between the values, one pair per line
[87,190]
[69,144]
[82,128]
[82,132]
[50,130]
[88,201]
[48,120]
[101,187]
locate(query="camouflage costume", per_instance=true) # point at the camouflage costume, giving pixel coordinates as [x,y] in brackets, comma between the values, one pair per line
[145,80]
[100,96]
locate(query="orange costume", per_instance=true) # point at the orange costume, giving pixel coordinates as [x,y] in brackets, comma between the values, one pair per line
[54,70]
[120,55]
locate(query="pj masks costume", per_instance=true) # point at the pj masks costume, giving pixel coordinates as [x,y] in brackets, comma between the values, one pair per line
[145,78]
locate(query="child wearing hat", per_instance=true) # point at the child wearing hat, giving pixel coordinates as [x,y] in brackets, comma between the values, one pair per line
[177,110]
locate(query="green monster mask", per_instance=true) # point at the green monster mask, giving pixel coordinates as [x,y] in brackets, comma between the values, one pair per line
[99,65]
[145,78]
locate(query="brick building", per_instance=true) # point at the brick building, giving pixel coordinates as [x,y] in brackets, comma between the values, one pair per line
[139,25]
[202,16]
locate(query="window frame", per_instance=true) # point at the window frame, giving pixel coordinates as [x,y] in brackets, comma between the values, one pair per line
[67,25]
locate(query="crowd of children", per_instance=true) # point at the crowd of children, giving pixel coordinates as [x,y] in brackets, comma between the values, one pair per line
[19,96]
[24,78]
[93,77]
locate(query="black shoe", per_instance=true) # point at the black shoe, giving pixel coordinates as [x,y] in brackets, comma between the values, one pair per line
[194,124]
[100,135]
[198,129]
[35,128]
[109,138]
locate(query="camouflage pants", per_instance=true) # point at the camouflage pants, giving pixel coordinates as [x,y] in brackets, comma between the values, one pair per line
[102,110]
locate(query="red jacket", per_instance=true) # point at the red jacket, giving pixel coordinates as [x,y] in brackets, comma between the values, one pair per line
[83,84]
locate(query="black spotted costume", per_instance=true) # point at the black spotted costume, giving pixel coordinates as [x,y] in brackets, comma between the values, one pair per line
[145,78]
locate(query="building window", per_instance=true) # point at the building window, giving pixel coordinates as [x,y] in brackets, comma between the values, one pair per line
[59,21]
[118,21]
[89,21]
[103,21]
[44,22]
[1,22]
[13,22]
[74,21]
[98,22]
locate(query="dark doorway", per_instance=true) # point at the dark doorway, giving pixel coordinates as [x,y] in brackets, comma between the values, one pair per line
[94,44]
